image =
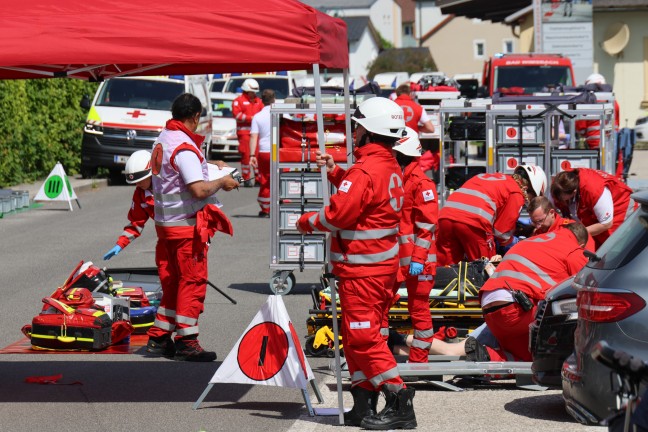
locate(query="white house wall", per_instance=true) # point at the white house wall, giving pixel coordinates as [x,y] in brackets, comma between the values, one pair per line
[627,72]
[385,15]
[361,53]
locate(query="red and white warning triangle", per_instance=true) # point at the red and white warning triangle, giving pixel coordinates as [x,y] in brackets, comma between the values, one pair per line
[268,352]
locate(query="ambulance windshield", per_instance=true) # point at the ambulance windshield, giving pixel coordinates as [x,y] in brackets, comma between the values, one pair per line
[140,93]
[530,79]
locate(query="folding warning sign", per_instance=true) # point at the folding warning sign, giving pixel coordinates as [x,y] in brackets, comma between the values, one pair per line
[57,187]
[268,353]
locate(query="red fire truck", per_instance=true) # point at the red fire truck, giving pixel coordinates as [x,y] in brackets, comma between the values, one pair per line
[525,74]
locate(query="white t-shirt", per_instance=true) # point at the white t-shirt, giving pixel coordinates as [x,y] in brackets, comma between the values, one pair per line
[261,126]
[604,207]
[189,166]
[424,117]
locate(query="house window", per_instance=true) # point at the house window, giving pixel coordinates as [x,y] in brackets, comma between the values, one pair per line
[479,49]
[507,46]
[408,29]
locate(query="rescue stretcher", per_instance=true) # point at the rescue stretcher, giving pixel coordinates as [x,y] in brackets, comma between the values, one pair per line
[454,303]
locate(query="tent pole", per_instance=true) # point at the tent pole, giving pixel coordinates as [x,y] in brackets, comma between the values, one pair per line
[322,148]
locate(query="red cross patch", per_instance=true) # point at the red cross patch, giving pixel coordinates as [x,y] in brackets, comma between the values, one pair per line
[345,186]
[428,195]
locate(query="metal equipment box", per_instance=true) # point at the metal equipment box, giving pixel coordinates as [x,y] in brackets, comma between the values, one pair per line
[508,131]
[562,160]
[290,246]
[508,158]
[289,213]
[291,184]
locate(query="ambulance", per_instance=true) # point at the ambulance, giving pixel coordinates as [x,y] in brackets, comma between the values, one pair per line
[128,113]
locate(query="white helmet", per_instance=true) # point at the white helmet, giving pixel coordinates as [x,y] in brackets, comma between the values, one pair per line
[409,145]
[138,166]
[381,116]
[536,177]
[250,85]
[595,78]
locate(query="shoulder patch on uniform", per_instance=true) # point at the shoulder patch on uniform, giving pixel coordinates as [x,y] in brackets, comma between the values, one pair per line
[345,186]
[428,195]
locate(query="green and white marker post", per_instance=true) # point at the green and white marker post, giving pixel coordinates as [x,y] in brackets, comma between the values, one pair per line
[57,188]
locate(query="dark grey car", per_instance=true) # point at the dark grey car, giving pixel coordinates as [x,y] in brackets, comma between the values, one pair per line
[612,292]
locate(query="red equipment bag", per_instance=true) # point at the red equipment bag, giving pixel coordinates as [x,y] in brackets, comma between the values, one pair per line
[61,327]
[136,295]
[292,133]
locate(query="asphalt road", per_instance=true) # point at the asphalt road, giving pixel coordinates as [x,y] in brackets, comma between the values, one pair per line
[40,247]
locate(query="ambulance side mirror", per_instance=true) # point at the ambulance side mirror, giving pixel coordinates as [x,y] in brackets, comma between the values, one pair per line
[85,102]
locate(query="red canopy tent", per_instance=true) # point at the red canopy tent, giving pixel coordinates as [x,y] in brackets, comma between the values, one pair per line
[103,39]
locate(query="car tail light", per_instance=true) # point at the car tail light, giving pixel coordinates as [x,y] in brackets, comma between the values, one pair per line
[605,307]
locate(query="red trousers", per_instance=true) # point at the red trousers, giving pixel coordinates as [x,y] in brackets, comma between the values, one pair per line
[418,305]
[457,241]
[510,326]
[264,181]
[365,301]
[183,276]
[244,150]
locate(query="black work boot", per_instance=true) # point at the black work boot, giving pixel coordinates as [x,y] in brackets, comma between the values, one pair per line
[160,346]
[397,414]
[475,351]
[189,349]
[364,404]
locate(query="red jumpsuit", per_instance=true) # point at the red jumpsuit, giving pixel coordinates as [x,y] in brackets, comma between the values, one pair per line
[363,217]
[591,185]
[140,212]
[244,109]
[417,243]
[533,266]
[184,225]
[487,206]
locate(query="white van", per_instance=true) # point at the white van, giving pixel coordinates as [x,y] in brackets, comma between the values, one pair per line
[224,139]
[282,82]
[128,114]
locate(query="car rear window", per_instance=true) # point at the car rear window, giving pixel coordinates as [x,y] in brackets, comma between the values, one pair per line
[628,241]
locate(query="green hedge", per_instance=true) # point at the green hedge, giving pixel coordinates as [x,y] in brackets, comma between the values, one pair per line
[41,123]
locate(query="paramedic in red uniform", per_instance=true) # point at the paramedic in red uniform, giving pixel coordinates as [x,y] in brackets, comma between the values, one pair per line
[244,108]
[591,129]
[138,172]
[545,218]
[260,134]
[186,216]
[532,266]
[416,237]
[486,208]
[417,119]
[363,217]
[595,198]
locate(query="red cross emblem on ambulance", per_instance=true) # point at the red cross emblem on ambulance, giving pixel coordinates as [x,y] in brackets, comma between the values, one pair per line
[136,113]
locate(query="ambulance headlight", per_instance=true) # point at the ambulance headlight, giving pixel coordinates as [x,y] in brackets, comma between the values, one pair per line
[94,128]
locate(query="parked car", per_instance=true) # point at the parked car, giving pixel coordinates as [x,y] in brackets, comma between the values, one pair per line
[611,302]
[641,129]
[224,140]
[551,338]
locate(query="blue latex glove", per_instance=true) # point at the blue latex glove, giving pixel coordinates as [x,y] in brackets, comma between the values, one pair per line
[524,220]
[415,268]
[112,252]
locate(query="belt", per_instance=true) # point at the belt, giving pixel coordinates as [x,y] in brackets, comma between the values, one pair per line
[495,308]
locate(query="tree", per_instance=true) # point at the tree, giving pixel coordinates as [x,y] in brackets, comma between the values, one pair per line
[408,60]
